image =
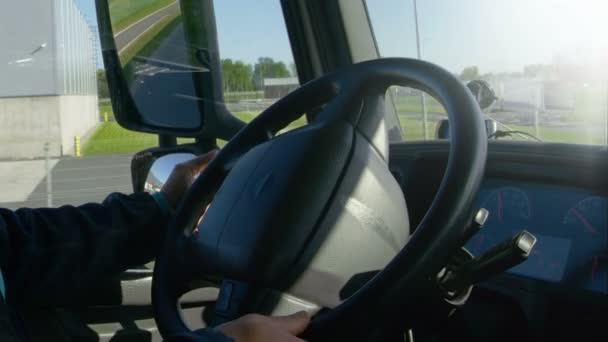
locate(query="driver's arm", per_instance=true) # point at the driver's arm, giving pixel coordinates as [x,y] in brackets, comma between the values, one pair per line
[47,256]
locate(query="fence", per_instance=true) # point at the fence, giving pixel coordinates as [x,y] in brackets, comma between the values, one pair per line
[523,105]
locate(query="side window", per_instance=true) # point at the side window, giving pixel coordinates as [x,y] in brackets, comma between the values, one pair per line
[59,140]
[549,79]
[258,64]
[419,113]
[59,144]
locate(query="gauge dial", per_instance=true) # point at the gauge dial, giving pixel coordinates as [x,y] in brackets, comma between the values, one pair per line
[508,205]
[588,217]
[585,224]
[509,210]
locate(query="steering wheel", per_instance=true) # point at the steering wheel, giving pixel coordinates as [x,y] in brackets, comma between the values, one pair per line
[269,192]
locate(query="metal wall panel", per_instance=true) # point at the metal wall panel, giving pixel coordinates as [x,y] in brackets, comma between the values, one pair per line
[46,49]
[27,48]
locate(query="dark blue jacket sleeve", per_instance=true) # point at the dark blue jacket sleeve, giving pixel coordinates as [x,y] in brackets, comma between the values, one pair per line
[47,255]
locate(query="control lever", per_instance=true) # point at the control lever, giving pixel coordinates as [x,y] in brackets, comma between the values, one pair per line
[479,219]
[498,259]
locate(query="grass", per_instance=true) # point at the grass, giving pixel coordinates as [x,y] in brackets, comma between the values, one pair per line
[582,126]
[572,135]
[413,103]
[127,12]
[413,130]
[245,95]
[105,107]
[110,137]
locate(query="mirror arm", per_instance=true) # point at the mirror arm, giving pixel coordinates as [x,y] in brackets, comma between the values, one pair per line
[165,140]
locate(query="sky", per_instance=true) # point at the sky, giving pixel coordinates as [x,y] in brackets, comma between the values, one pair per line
[495,35]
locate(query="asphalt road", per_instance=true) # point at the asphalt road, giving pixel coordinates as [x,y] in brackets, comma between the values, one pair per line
[165,83]
[128,35]
[82,180]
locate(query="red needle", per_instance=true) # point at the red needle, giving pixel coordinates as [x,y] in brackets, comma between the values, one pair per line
[499,206]
[594,264]
[588,226]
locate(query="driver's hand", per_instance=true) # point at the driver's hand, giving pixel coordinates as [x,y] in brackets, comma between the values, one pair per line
[254,328]
[183,176]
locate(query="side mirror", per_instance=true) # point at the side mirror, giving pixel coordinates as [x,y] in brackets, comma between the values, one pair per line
[161,169]
[483,93]
[443,128]
[163,68]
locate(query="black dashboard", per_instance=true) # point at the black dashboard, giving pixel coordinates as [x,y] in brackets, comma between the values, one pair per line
[571,225]
[557,192]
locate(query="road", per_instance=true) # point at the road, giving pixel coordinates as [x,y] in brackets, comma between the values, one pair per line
[81,180]
[131,33]
[164,80]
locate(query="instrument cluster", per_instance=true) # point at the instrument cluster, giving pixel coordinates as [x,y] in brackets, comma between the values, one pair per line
[571,226]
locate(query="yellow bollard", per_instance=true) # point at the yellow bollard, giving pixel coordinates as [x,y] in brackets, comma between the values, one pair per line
[77,146]
[105,116]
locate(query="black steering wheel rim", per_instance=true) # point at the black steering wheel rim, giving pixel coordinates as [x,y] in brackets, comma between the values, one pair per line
[437,236]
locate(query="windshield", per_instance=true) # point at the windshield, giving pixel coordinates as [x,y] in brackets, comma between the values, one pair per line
[545,60]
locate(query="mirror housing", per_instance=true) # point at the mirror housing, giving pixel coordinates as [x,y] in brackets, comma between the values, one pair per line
[483,93]
[485,96]
[171,80]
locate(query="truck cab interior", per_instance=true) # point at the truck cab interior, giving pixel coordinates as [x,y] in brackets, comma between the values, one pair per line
[419,171]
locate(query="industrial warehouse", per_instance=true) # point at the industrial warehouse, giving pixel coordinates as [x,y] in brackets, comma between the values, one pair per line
[48,90]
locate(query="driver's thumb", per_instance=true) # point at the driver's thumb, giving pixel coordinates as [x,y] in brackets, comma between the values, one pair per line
[295,324]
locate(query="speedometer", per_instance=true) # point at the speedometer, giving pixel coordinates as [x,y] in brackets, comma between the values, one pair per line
[588,217]
[510,211]
[585,225]
[508,206]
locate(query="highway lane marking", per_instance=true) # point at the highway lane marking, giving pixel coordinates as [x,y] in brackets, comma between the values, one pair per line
[144,18]
[141,34]
[122,166]
[75,179]
[83,191]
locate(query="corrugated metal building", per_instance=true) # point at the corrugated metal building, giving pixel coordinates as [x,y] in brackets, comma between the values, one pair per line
[48,88]
[275,88]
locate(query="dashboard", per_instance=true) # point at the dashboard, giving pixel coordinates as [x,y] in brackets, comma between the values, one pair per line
[571,226]
[559,193]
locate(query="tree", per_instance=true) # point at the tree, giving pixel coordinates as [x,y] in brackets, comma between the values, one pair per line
[237,75]
[470,73]
[103,91]
[293,69]
[266,67]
